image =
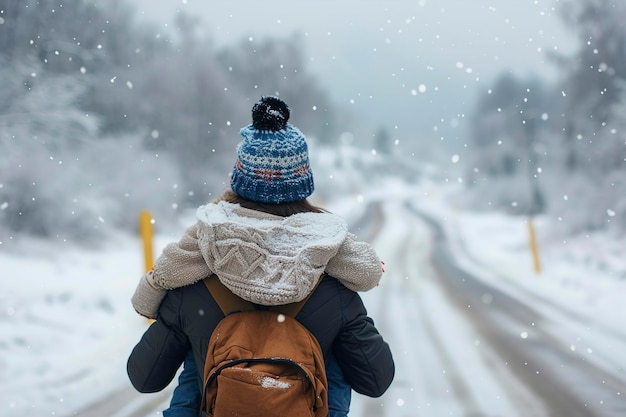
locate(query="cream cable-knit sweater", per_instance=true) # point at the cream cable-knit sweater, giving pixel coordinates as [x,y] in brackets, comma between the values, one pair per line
[265,259]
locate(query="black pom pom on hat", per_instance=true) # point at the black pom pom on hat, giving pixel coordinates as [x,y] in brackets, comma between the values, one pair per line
[270,114]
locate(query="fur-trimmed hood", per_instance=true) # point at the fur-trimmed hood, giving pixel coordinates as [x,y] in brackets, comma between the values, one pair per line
[264,258]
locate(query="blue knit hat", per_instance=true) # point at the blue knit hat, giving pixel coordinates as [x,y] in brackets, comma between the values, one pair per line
[272,160]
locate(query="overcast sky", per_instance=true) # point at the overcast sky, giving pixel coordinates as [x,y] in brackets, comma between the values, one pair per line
[411,64]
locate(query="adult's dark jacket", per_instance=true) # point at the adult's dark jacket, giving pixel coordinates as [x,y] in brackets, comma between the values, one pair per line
[334,314]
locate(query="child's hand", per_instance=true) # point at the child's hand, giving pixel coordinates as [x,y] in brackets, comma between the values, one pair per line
[148,295]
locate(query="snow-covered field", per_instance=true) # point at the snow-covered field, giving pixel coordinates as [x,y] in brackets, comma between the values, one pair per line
[67,326]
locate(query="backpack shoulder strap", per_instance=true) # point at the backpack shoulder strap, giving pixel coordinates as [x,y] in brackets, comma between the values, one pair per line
[230,303]
[225,299]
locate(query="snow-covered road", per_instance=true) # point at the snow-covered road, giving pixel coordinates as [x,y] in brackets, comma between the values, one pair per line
[443,366]
[464,347]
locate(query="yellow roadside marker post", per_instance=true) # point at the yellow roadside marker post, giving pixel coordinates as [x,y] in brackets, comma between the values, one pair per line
[145,230]
[533,246]
[530,116]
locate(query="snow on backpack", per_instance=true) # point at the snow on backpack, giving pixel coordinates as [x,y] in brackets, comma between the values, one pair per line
[262,362]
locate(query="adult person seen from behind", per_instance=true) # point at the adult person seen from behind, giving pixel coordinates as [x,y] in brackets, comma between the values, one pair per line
[270,183]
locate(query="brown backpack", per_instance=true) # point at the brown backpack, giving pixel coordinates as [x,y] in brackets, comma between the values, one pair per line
[262,363]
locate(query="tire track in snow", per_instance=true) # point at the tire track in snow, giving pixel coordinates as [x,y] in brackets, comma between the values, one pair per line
[595,333]
[428,381]
[441,370]
[563,380]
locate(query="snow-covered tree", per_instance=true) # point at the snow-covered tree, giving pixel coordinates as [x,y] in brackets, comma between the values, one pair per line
[59,178]
[100,118]
[508,126]
[594,74]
